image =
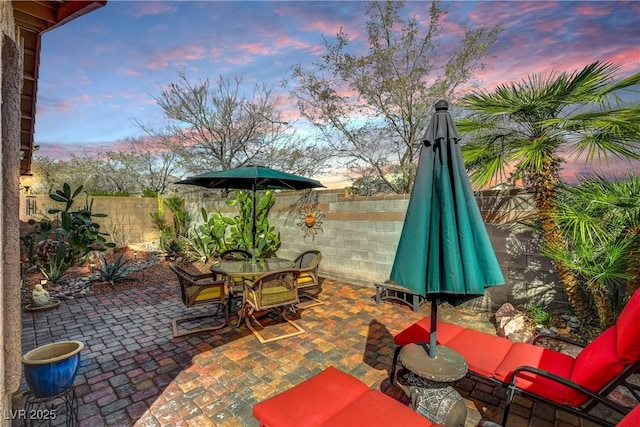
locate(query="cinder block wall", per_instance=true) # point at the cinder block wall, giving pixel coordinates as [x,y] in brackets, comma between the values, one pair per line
[128,219]
[360,235]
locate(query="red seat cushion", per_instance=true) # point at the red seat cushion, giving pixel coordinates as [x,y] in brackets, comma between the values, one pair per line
[595,366]
[628,334]
[376,409]
[311,402]
[632,419]
[419,332]
[523,354]
[483,352]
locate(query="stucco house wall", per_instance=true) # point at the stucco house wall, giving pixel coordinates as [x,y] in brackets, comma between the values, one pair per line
[10,325]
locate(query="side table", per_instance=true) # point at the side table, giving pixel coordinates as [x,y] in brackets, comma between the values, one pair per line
[426,382]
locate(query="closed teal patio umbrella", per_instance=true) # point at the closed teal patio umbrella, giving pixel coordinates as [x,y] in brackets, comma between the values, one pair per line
[444,252]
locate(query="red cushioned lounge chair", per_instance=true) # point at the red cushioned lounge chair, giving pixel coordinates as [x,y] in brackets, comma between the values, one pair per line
[574,385]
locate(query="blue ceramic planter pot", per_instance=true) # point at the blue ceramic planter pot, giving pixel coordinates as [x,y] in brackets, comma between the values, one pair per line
[51,369]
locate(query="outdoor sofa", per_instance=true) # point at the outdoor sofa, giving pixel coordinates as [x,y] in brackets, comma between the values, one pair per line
[335,398]
[571,384]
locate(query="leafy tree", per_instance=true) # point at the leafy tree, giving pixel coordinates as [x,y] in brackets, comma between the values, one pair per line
[117,172]
[371,108]
[158,158]
[219,127]
[145,165]
[527,126]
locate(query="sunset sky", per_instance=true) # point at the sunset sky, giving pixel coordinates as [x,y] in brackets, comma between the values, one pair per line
[100,72]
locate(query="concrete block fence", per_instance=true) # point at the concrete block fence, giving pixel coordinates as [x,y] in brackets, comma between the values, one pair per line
[359,236]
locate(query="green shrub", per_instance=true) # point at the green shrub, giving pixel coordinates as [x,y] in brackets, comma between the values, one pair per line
[538,314]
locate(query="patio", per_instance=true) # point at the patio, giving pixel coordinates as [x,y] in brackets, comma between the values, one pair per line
[133,372]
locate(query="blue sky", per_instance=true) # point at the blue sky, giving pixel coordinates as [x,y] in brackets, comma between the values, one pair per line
[100,72]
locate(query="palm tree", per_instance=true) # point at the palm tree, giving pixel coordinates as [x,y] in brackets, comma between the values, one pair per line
[601,218]
[529,127]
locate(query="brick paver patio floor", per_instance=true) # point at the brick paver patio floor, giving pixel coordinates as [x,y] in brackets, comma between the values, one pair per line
[133,372]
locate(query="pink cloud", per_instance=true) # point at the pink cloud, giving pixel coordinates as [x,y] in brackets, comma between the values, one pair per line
[328,27]
[61,106]
[551,26]
[285,42]
[176,55]
[255,48]
[576,168]
[590,10]
[151,8]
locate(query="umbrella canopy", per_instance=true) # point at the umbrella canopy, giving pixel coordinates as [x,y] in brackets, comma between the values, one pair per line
[444,252]
[252,178]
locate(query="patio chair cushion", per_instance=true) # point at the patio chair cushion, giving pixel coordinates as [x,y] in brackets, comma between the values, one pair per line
[595,366]
[334,398]
[204,295]
[628,332]
[523,354]
[376,409]
[483,352]
[304,278]
[273,295]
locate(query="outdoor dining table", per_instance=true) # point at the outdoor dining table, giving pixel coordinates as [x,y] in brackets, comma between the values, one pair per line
[250,268]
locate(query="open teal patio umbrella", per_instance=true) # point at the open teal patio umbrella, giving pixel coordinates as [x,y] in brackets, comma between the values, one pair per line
[254,178]
[444,252]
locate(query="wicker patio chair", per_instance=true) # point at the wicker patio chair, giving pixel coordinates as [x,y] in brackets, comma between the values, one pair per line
[307,264]
[199,289]
[234,285]
[276,289]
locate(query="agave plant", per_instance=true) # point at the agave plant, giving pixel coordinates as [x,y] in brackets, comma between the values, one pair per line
[55,267]
[115,272]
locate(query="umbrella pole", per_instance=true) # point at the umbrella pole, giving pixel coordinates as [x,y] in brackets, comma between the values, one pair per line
[432,334]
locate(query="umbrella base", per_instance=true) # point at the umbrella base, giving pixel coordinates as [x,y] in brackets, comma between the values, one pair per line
[425,381]
[434,400]
[447,366]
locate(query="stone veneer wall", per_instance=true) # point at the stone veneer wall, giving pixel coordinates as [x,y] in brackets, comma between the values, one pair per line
[360,237]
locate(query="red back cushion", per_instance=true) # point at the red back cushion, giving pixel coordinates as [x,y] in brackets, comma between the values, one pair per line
[628,348]
[523,354]
[595,366]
